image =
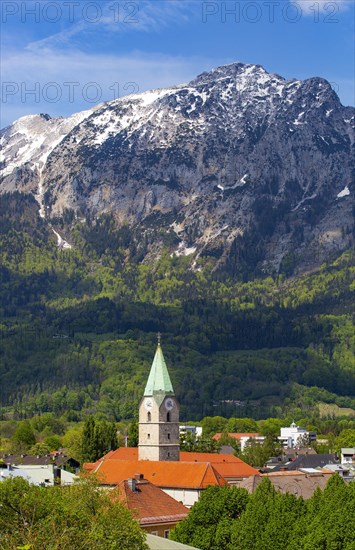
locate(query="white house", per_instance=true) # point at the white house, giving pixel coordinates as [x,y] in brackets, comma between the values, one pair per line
[340,469]
[294,436]
[194,430]
[45,475]
[348,455]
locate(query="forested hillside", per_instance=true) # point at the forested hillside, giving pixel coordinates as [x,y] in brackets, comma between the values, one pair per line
[79,325]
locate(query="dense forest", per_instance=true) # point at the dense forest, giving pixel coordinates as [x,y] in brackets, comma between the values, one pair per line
[78,326]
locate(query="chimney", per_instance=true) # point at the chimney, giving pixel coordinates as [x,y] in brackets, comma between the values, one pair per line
[132,484]
[138,477]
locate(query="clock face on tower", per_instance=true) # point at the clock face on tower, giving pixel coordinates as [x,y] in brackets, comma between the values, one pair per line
[148,403]
[169,404]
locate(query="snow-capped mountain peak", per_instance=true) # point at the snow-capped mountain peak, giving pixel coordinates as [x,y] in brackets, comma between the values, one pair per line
[235,152]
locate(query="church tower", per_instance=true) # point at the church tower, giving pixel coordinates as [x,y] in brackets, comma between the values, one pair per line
[159,415]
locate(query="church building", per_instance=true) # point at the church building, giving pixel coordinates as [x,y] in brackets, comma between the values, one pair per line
[181,475]
[159,415]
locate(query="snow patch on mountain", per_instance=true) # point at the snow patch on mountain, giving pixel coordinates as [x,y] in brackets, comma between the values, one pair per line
[62,243]
[31,139]
[344,193]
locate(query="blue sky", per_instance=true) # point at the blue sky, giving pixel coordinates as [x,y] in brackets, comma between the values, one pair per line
[63,56]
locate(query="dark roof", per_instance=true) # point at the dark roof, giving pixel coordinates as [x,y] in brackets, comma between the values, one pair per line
[291,453]
[57,459]
[226,450]
[308,461]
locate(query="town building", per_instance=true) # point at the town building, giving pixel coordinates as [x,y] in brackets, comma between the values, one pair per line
[243,439]
[342,470]
[159,437]
[157,512]
[45,475]
[348,456]
[296,482]
[181,475]
[183,481]
[308,461]
[157,543]
[56,458]
[195,431]
[294,436]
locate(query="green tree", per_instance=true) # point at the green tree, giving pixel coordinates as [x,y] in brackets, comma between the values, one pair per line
[346,438]
[132,440]
[24,436]
[271,427]
[79,516]
[98,438]
[202,444]
[210,519]
[331,518]
[248,531]
[286,513]
[89,450]
[213,424]
[39,449]
[242,425]
[256,453]
[105,437]
[53,442]
[72,441]
[188,441]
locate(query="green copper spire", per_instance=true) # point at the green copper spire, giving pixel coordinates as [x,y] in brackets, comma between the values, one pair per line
[159,379]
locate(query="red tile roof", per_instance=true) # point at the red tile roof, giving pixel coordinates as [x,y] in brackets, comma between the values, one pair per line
[150,504]
[131,453]
[233,470]
[228,465]
[182,475]
[125,453]
[237,436]
[225,465]
[213,458]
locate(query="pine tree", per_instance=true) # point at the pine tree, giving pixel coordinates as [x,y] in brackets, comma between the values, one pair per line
[89,441]
[248,531]
[98,438]
[133,434]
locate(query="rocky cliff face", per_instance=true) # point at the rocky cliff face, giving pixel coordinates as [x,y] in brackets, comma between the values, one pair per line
[240,164]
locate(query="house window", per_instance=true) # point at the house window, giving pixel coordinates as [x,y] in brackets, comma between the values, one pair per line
[168,417]
[168,455]
[149,417]
[148,435]
[166,534]
[168,436]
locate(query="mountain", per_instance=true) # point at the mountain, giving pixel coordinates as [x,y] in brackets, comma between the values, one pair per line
[239,165]
[78,328]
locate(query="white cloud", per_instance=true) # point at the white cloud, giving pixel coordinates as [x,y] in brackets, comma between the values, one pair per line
[113,75]
[60,58]
[119,17]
